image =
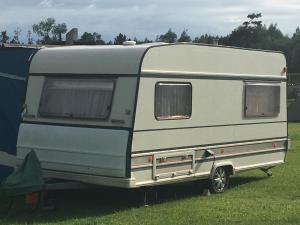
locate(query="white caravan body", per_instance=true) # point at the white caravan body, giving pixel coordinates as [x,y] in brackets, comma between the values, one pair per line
[132,116]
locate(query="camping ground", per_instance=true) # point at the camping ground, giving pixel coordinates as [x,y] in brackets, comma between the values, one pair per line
[253,198]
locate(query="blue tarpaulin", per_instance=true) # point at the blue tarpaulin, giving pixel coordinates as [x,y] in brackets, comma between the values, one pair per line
[14,66]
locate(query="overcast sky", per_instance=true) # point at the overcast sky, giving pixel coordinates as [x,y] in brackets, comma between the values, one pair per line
[141,18]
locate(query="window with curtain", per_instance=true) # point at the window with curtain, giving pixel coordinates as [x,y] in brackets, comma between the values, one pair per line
[173,101]
[76,98]
[262,99]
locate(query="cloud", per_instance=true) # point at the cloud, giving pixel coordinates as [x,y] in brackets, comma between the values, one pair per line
[46,4]
[149,18]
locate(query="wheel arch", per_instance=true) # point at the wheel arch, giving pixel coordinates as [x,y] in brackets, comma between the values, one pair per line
[228,166]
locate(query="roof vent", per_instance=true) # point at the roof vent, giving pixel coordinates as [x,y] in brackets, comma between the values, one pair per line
[129,43]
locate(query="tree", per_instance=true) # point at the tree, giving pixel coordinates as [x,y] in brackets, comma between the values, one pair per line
[43,29]
[146,40]
[249,34]
[4,37]
[169,37]
[296,35]
[29,37]
[120,39]
[15,39]
[294,62]
[91,38]
[58,30]
[98,39]
[253,20]
[87,37]
[254,34]
[206,39]
[184,37]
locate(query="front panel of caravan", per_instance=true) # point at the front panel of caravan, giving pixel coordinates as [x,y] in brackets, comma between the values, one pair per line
[65,148]
[79,112]
[76,145]
[216,132]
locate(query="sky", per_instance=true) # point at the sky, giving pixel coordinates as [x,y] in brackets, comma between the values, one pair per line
[148,18]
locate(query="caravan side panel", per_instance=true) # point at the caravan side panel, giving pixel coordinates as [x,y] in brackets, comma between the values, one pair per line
[216,132]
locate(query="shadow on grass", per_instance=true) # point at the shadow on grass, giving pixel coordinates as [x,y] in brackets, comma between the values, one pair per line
[238,181]
[77,204]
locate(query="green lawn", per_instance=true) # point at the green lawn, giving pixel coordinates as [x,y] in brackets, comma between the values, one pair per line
[253,198]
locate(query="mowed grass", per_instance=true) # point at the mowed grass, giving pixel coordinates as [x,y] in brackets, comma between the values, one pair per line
[253,198]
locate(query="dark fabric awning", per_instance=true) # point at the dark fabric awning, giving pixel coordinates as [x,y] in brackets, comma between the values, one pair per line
[14,67]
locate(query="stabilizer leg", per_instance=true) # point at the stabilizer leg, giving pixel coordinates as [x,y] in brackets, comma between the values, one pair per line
[267,171]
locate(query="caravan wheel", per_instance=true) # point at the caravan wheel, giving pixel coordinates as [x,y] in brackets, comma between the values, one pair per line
[220,180]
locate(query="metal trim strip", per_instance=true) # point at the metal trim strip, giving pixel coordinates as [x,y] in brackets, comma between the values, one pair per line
[42,123]
[219,125]
[12,76]
[7,159]
[38,148]
[70,164]
[207,75]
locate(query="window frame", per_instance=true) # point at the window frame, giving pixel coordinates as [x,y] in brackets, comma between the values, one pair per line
[172,117]
[261,83]
[77,77]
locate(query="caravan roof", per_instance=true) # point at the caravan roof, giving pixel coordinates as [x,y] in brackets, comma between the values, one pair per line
[181,58]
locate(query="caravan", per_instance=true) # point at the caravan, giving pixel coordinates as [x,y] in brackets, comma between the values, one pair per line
[139,115]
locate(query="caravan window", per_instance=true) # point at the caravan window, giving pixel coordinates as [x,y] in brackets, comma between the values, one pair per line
[262,99]
[76,98]
[173,101]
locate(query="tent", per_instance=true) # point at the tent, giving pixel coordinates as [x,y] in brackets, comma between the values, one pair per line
[14,66]
[294,110]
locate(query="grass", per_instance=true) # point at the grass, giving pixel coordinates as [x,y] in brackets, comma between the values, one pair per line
[253,198]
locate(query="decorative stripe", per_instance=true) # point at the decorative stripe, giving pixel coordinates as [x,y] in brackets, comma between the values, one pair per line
[264,151]
[11,76]
[7,159]
[204,75]
[210,146]
[80,75]
[221,125]
[74,125]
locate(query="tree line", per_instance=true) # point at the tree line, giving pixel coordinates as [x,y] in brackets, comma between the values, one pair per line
[252,33]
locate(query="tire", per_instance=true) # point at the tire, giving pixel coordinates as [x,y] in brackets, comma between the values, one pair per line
[219,181]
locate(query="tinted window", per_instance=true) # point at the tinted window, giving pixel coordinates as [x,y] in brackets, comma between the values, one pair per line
[76,98]
[173,101]
[262,99]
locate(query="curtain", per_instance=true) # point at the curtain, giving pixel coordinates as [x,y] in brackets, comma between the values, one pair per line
[77,98]
[173,100]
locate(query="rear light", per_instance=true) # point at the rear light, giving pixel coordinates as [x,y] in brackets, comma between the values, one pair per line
[150,158]
[32,198]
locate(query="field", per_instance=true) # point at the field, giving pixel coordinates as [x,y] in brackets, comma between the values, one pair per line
[253,198]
